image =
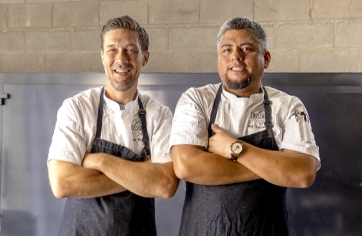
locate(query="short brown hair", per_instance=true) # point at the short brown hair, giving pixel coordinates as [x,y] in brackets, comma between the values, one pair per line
[126,22]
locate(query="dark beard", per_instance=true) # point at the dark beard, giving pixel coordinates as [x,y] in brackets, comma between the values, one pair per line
[124,87]
[237,85]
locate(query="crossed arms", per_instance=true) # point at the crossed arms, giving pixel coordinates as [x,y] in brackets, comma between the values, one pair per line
[213,167]
[103,174]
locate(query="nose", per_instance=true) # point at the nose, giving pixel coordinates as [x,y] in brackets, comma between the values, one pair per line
[237,54]
[122,57]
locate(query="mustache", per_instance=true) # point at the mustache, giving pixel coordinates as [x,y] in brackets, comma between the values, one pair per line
[122,66]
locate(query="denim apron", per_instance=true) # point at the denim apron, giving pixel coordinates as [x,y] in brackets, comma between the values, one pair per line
[252,208]
[120,214]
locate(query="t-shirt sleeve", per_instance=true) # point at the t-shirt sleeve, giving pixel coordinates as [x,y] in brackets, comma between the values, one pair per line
[161,133]
[68,141]
[189,125]
[297,130]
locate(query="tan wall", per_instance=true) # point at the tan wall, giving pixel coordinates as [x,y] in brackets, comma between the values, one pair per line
[63,35]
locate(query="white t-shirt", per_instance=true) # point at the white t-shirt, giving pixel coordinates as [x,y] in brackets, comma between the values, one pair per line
[242,116]
[76,125]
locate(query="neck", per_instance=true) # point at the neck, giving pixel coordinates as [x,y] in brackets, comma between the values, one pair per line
[121,97]
[244,92]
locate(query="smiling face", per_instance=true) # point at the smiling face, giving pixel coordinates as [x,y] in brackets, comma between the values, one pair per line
[241,62]
[122,59]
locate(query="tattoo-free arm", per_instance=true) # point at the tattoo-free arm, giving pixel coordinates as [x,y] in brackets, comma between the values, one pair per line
[284,168]
[142,178]
[194,164]
[68,180]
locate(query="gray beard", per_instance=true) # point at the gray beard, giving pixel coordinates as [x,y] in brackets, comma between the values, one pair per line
[237,85]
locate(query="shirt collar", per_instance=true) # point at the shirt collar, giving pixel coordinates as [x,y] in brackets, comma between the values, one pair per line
[115,107]
[233,98]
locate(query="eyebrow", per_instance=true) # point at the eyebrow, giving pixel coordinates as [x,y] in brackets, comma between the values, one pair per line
[109,45]
[113,45]
[225,45]
[240,45]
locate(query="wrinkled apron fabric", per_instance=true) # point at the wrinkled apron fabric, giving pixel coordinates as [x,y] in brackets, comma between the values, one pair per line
[254,208]
[121,214]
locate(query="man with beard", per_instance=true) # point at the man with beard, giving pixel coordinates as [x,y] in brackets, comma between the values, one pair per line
[109,154]
[239,145]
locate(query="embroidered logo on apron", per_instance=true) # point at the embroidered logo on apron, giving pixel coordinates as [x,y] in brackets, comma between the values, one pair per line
[259,115]
[136,127]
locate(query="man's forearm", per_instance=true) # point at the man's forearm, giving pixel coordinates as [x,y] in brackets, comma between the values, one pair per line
[142,178]
[68,180]
[193,164]
[284,168]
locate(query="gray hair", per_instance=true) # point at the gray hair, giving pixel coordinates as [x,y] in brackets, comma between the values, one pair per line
[126,22]
[244,23]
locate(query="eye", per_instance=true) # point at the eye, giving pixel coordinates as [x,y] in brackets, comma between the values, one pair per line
[226,50]
[111,50]
[247,49]
[132,50]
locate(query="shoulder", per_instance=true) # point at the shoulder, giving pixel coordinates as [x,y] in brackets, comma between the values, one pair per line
[85,101]
[282,97]
[200,95]
[153,106]
[284,105]
[208,90]
[89,95]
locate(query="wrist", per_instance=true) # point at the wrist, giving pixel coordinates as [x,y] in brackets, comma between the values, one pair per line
[236,149]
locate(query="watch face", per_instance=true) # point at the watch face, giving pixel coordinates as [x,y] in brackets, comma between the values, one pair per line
[236,148]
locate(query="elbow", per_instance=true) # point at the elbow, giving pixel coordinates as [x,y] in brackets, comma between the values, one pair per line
[169,189]
[57,186]
[309,175]
[306,179]
[58,190]
[305,176]
[55,180]
[181,170]
[59,194]
[185,167]
[165,186]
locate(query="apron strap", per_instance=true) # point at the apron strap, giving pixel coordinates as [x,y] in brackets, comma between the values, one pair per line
[267,110]
[100,114]
[214,110]
[142,114]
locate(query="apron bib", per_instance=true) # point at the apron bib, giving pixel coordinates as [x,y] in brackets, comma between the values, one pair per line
[253,208]
[120,214]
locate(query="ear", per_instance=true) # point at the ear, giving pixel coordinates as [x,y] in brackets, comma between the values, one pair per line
[267,59]
[146,56]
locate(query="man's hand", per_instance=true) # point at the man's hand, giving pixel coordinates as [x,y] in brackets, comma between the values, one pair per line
[148,159]
[220,143]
